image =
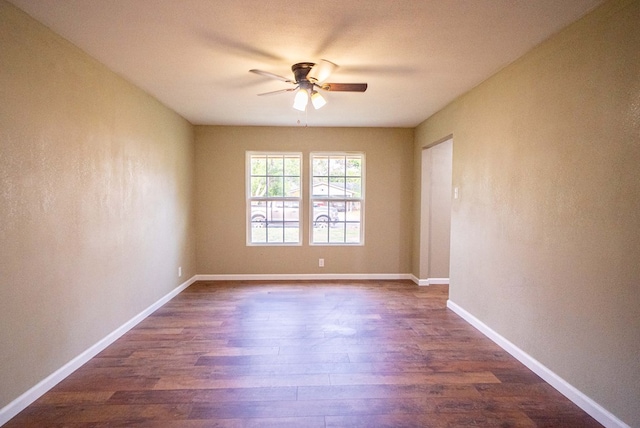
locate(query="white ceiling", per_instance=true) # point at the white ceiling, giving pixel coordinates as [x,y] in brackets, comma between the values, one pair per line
[416,55]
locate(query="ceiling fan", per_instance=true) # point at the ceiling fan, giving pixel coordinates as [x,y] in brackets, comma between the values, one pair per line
[308,77]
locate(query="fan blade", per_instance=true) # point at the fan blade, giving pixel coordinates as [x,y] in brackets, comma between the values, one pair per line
[345,87]
[278,91]
[321,71]
[271,75]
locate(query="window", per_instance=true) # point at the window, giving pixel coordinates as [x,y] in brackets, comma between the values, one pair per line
[273,198]
[337,198]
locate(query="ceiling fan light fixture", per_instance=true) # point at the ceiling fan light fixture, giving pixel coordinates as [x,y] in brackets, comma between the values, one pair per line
[321,71]
[317,100]
[301,99]
[309,76]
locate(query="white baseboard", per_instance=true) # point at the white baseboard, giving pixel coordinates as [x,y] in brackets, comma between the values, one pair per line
[429,281]
[434,281]
[305,277]
[24,400]
[322,277]
[594,409]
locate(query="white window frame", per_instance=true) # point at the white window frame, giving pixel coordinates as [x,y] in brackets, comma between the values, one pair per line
[270,199]
[330,200]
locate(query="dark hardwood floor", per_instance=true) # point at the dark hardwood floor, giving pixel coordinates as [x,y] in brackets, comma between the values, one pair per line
[304,354]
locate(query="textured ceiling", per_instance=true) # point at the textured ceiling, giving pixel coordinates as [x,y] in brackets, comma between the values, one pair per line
[416,55]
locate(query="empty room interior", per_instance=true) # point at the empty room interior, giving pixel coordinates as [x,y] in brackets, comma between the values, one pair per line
[487,195]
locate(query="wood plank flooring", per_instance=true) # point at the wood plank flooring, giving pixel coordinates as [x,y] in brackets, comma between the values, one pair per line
[304,354]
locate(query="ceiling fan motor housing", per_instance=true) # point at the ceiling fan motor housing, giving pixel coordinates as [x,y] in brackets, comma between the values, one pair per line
[301,70]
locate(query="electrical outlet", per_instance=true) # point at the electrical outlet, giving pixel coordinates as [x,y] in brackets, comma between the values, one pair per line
[180,272]
[321,262]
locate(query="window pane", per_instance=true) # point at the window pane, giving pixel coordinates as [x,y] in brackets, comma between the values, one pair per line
[271,178]
[320,186]
[258,222]
[276,187]
[275,233]
[291,231]
[258,234]
[337,234]
[292,166]
[292,187]
[337,187]
[320,233]
[337,194]
[339,207]
[354,166]
[336,222]
[354,206]
[291,211]
[352,233]
[258,186]
[337,166]
[354,187]
[320,165]
[258,212]
[275,165]
[259,165]
[321,221]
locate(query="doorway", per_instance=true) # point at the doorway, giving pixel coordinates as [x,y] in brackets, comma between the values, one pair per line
[435,212]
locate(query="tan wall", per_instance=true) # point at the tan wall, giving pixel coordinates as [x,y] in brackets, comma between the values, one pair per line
[97,189]
[220,183]
[545,234]
[95,201]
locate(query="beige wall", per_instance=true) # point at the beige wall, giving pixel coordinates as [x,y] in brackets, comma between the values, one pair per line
[97,190]
[95,201]
[220,182]
[545,234]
